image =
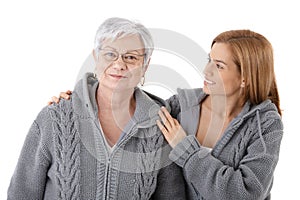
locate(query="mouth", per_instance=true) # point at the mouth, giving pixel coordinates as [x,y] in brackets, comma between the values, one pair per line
[117,76]
[208,82]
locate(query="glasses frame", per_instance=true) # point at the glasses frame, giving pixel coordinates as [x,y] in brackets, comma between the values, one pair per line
[118,56]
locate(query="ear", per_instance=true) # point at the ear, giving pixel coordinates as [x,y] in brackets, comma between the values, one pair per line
[243,83]
[94,56]
[146,66]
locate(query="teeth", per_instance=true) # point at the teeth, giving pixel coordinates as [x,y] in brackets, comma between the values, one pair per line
[209,82]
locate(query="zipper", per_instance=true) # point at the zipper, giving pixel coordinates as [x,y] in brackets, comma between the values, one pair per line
[108,156]
[107,171]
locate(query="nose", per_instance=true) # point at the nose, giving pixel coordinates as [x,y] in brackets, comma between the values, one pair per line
[119,64]
[208,70]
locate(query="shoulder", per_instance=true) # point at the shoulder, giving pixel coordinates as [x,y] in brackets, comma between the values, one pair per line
[186,98]
[264,119]
[61,111]
[190,97]
[54,113]
[266,114]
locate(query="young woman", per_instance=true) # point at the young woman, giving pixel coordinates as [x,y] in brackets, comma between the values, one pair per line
[228,139]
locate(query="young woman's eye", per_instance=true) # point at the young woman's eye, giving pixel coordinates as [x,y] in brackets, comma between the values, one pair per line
[219,66]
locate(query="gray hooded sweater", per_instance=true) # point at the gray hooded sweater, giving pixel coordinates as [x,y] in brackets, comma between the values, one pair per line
[64,156]
[241,164]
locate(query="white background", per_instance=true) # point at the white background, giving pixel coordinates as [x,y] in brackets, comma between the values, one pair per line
[44,43]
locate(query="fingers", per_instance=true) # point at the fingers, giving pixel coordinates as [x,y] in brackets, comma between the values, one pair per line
[55,99]
[167,116]
[65,95]
[166,123]
[170,127]
[69,92]
[164,131]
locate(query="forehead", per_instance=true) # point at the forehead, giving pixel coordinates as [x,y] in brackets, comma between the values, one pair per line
[124,44]
[221,51]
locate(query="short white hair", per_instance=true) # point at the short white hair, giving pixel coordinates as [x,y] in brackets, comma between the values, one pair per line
[115,27]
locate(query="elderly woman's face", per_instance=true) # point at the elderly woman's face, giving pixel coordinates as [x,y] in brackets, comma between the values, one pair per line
[119,65]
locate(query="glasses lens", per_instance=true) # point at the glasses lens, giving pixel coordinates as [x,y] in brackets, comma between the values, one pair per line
[132,58]
[109,55]
[129,58]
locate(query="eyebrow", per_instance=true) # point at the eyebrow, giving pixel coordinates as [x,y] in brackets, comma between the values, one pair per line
[216,60]
[221,61]
[129,51]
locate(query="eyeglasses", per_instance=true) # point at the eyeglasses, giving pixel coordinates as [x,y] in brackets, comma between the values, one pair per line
[129,58]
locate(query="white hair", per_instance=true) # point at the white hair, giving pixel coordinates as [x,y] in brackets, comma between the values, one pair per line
[114,28]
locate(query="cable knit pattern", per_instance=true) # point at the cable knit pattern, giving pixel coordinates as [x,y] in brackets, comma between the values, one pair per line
[241,164]
[64,156]
[67,150]
[148,162]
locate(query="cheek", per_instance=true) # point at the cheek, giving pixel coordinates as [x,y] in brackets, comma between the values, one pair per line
[232,84]
[100,69]
[135,73]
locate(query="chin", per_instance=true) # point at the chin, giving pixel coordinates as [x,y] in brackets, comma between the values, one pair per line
[206,90]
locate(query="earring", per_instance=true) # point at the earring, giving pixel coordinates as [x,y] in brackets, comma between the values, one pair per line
[243,84]
[94,75]
[142,80]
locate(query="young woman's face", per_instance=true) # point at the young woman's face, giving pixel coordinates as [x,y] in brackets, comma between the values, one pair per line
[119,65]
[222,76]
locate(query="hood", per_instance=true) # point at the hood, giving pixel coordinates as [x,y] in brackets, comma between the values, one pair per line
[85,105]
[192,97]
[263,113]
[189,102]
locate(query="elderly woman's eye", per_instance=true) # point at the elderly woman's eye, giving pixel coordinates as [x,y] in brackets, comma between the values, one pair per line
[110,54]
[130,57]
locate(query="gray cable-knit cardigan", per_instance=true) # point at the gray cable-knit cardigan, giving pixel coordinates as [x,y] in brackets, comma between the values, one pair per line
[242,163]
[64,155]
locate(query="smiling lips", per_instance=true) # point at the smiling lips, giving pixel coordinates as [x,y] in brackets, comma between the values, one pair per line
[117,76]
[208,82]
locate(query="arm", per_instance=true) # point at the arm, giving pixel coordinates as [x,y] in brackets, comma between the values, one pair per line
[29,178]
[213,179]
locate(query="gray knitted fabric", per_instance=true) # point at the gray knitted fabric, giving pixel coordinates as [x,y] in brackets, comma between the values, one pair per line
[64,155]
[242,163]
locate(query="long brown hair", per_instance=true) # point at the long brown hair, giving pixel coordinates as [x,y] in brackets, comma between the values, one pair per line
[253,54]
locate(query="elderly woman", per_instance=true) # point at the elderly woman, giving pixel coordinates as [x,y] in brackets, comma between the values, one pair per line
[104,143]
[231,129]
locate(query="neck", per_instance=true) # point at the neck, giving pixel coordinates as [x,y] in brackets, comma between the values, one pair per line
[224,107]
[114,101]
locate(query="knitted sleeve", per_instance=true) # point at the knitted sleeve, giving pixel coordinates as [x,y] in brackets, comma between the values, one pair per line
[252,176]
[29,178]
